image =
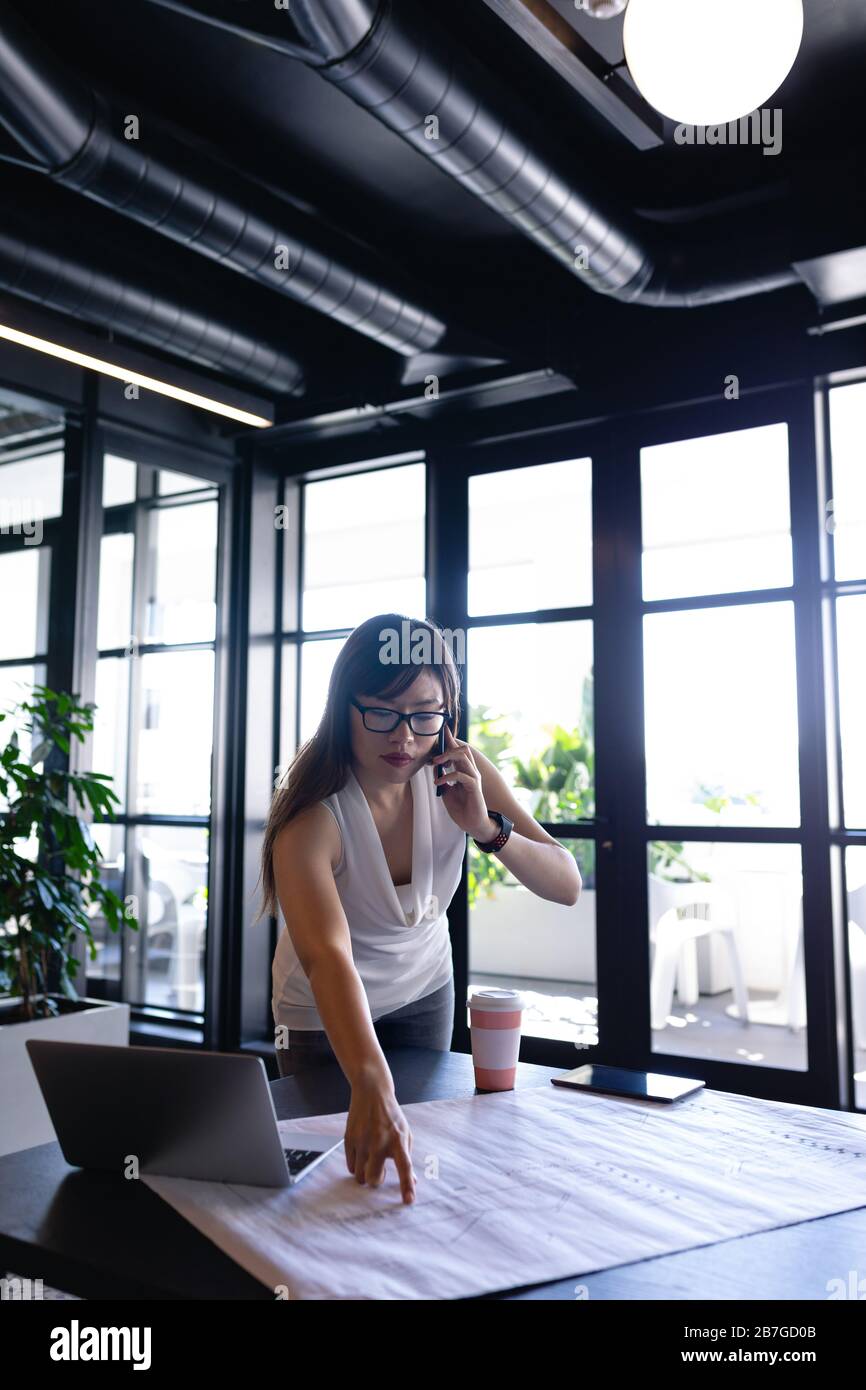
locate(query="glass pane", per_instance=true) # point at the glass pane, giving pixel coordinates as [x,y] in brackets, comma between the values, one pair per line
[520,941]
[170,482]
[530,538]
[111,723]
[16,683]
[110,842]
[182,580]
[317,663]
[114,623]
[31,490]
[847,512]
[716,514]
[855,872]
[530,706]
[726,944]
[851,629]
[290,523]
[364,547]
[721,716]
[166,955]
[176,740]
[23,624]
[288,705]
[118,481]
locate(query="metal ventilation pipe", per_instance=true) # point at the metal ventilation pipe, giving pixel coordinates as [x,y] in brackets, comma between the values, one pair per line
[73,136]
[145,311]
[404,74]
[389,59]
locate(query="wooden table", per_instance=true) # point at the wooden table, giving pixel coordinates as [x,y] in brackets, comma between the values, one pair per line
[99,1236]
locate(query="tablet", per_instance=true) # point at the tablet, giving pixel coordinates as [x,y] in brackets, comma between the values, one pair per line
[619,1081]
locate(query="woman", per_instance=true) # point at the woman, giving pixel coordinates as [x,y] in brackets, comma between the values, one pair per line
[364,860]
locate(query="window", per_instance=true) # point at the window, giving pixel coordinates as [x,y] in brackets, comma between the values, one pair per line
[689,630]
[32,485]
[721,739]
[31,506]
[855,874]
[154,729]
[353,546]
[530,709]
[721,716]
[118,480]
[846,511]
[851,633]
[363,547]
[846,526]
[726,940]
[716,514]
[24,573]
[531,698]
[317,663]
[530,538]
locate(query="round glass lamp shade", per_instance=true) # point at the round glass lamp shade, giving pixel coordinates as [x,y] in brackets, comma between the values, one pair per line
[707,62]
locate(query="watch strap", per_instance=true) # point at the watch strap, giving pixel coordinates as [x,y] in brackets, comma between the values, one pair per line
[505,828]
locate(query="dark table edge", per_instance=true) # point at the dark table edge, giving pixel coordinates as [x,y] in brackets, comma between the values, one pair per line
[77,1276]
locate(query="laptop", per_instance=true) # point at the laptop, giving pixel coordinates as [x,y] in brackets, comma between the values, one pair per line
[207,1115]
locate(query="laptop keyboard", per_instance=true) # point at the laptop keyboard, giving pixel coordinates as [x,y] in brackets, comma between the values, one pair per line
[299,1159]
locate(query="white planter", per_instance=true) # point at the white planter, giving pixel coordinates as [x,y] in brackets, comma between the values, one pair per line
[517,933]
[24,1118]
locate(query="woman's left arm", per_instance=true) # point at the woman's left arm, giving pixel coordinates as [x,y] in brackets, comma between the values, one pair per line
[530,854]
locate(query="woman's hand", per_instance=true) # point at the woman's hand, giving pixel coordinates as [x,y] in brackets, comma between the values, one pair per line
[376,1129]
[462,790]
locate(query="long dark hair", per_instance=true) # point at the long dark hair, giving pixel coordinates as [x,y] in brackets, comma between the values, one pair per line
[321,765]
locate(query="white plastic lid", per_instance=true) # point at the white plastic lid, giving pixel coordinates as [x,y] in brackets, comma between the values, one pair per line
[505,999]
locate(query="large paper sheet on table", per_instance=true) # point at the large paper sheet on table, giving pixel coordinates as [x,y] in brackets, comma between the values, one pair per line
[526,1186]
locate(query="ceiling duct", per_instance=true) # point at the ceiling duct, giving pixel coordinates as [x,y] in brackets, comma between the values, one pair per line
[403,73]
[389,58]
[145,310]
[70,133]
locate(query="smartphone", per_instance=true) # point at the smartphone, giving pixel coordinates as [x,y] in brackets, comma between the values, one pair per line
[619,1081]
[440,748]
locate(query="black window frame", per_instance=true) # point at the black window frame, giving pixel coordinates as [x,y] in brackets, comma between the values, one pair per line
[620,829]
[842,836]
[151,454]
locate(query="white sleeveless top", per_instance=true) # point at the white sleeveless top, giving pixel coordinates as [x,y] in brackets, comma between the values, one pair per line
[400,941]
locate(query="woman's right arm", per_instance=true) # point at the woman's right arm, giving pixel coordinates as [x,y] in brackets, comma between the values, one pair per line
[376,1129]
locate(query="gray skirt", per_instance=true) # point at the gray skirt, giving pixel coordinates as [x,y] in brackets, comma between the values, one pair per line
[426,1022]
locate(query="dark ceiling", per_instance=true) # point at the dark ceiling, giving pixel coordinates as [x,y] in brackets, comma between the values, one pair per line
[277,121]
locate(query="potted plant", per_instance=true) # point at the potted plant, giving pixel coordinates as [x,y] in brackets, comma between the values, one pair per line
[50,888]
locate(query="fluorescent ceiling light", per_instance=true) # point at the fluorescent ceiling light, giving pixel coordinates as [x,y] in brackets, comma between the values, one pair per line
[150,383]
[708,62]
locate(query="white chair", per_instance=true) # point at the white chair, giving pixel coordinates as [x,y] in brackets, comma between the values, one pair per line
[698,910]
[788,1009]
[664,893]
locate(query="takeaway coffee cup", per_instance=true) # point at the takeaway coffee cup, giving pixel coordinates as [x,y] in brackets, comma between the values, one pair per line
[495,1018]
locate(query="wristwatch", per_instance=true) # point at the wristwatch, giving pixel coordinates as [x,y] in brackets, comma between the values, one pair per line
[505,828]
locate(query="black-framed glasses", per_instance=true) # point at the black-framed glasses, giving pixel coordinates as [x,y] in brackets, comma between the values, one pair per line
[426,723]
